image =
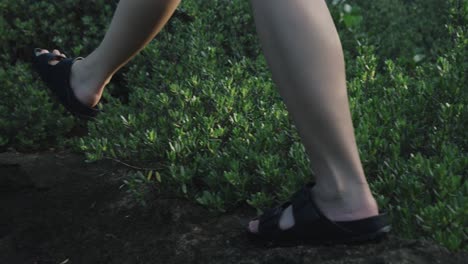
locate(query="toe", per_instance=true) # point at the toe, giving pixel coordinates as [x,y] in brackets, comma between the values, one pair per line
[41,51]
[55,61]
[57,52]
[253,226]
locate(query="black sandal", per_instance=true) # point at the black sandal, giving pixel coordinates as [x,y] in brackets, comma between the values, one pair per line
[312,227]
[57,78]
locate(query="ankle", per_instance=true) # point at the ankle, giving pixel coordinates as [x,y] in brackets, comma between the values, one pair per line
[344,204]
[86,83]
[339,190]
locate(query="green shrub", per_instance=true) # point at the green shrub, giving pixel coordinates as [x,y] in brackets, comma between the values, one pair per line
[199,108]
[28,118]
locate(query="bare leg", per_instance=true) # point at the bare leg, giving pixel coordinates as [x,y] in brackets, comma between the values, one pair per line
[134,24]
[305,55]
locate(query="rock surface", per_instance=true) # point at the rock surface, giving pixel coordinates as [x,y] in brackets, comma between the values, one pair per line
[54,208]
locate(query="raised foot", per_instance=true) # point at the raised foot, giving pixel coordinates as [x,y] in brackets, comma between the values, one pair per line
[87,89]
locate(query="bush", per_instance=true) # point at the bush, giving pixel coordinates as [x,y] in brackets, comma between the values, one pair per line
[199,108]
[28,119]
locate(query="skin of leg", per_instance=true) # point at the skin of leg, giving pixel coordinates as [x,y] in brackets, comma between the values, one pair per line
[304,53]
[134,24]
[309,72]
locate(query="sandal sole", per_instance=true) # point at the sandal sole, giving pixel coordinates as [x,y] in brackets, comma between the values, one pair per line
[375,237]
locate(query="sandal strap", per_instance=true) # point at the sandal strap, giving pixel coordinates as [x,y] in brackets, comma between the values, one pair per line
[305,212]
[269,221]
[301,198]
[42,65]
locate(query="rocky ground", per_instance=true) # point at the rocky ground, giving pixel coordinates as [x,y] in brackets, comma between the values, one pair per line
[55,208]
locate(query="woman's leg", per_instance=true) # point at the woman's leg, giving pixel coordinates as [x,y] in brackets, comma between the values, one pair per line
[135,23]
[304,52]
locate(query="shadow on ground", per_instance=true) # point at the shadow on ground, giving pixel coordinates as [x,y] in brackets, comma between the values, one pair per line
[55,208]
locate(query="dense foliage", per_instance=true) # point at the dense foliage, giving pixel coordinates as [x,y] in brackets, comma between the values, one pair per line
[199,109]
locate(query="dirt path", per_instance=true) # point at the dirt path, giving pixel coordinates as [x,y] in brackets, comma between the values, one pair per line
[54,208]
